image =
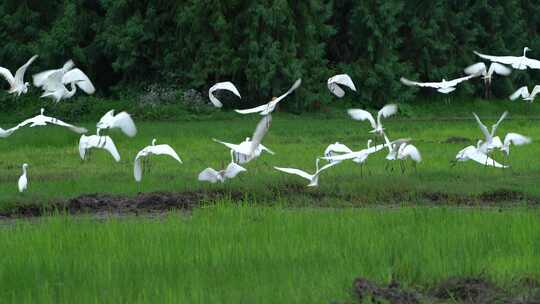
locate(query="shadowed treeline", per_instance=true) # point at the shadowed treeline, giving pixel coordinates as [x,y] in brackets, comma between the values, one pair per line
[262,46]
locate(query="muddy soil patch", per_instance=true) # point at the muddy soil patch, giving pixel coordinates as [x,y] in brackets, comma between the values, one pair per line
[142,203]
[454,290]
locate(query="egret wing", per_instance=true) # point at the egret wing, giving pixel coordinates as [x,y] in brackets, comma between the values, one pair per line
[496,125]
[260,131]
[111,147]
[73,128]
[516,139]
[457,81]
[535,91]
[252,110]
[483,159]
[295,172]
[502,59]
[412,152]
[208,175]
[408,82]
[499,69]
[79,77]
[233,170]
[19,75]
[531,63]
[337,80]
[229,86]
[482,127]
[124,122]
[522,92]
[476,69]
[165,150]
[359,114]
[83,145]
[137,168]
[7,76]
[234,147]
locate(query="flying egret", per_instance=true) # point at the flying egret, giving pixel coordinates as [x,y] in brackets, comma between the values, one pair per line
[120,121]
[99,142]
[337,80]
[491,141]
[475,154]
[145,153]
[335,149]
[23,180]
[387,111]
[228,86]
[53,82]
[269,107]
[514,139]
[523,92]
[8,132]
[17,85]
[445,86]
[241,158]
[356,156]
[480,69]
[517,62]
[42,120]
[313,178]
[250,148]
[213,176]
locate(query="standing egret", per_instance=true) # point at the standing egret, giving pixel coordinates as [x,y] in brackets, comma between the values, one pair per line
[228,86]
[523,92]
[42,120]
[387,111]
[23,180]
[120,121]
[269,107]
[213,176]
[53,82]
[99,142]
[17,85]
[517,62]
[475,154]
[313,178]
[480,69]
[337,80]
[148,151]
[445,86]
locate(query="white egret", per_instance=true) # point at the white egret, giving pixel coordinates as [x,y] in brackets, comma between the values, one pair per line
[335,149]
[250,148]
[23,179]
[268,108]
[356,156]
[53,82]
[17,85]
[120,121]
[241,158]
[213,176]
[480,69]
[523,92]
[445,86]
[387,111]
[228,86]
[145,153]
[42,120]
[514,139]
[475,154]
[313,178]
[491,141]
[99,142]
[517,62]
[337,80]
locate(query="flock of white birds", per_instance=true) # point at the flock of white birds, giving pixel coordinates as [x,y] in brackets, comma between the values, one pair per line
[62,83]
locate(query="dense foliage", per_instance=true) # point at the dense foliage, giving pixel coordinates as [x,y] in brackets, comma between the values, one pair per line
[262,46]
